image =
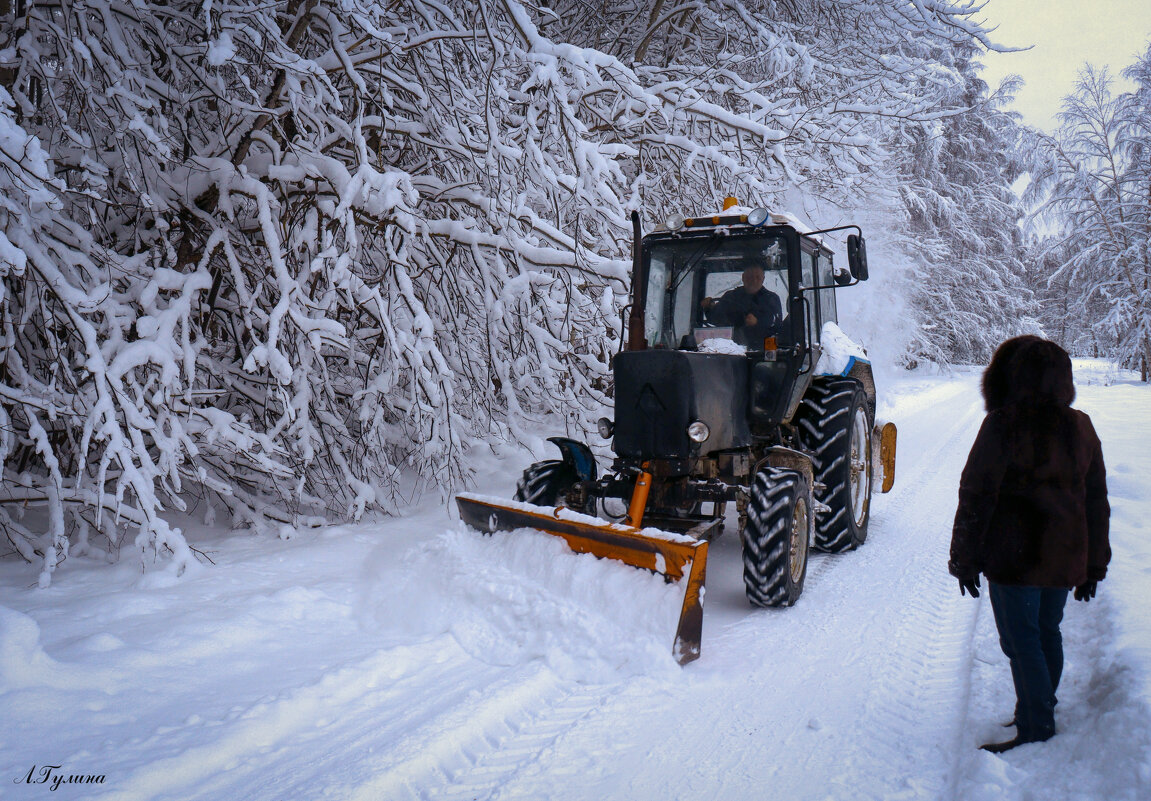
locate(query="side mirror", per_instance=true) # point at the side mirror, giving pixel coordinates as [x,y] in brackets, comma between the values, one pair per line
[857,256]
[841,275]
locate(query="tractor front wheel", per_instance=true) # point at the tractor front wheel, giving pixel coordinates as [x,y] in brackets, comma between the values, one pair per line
[547,484]
[775,538]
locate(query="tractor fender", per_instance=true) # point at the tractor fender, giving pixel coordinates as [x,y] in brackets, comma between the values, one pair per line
[860,370]
[848,359]
[788,459]
[791,459]
[578,456]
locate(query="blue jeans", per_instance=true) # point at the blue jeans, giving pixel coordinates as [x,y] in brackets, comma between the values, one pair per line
[1028,621]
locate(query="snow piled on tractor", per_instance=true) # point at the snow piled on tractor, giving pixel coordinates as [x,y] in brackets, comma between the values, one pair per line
[839,351]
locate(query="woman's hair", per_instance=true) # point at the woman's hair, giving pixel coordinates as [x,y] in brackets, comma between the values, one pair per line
[1028,370]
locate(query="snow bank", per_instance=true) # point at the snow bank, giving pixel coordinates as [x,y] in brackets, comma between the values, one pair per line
[1114,399]
[518,596]
[24,664]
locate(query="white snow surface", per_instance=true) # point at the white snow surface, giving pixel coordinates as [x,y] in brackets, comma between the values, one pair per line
[412,658]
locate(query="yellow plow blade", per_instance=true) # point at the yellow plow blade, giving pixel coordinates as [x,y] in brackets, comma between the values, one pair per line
[670,555]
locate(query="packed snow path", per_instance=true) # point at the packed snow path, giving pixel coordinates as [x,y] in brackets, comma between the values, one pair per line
[416,660]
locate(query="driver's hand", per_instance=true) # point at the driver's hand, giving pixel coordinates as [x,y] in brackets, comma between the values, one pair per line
[707,303]
[750,320]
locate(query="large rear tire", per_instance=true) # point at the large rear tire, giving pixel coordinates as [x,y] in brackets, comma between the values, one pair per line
[775,538]
[835,426]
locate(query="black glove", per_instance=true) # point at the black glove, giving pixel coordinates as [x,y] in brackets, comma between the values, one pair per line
[1086,590]
[970,586]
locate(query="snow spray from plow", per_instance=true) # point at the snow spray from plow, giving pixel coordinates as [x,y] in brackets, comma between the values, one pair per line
[671,555]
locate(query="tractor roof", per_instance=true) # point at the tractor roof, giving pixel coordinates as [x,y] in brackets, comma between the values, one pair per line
[733,214]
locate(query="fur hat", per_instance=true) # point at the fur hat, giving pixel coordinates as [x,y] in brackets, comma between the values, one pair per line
[1028,370]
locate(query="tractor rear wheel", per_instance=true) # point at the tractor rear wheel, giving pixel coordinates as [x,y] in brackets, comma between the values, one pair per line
[835,427]
[775,538]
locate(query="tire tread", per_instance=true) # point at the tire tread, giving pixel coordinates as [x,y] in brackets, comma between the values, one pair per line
[766,535]
[824,427]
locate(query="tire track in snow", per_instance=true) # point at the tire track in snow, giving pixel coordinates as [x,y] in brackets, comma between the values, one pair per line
[915,713]
[449,727]
[287,745]
[905,638]
[477,748]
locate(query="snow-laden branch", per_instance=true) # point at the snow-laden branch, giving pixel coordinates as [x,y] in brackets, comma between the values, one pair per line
[1092,179]
[291,261]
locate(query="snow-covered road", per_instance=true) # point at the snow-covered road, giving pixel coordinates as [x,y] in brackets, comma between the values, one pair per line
[414,659]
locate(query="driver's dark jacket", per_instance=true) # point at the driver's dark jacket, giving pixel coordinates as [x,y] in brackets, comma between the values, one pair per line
[735,304]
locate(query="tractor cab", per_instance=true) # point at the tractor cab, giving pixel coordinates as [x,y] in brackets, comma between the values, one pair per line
[686,269]
[717,288]
[743,283]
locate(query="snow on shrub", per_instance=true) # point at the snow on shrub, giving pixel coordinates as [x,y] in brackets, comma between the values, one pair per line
[288,261]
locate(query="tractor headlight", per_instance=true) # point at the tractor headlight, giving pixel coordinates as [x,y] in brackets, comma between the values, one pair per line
[674,222]
[606,427]
[698,431]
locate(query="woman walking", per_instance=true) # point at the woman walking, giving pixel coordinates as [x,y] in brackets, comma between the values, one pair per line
[1033,518]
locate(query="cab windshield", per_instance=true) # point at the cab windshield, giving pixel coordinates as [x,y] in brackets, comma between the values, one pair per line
[721,288]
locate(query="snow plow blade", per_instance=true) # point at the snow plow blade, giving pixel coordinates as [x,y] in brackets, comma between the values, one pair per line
[670,555]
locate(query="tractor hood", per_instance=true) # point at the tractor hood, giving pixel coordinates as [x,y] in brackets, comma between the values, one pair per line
[659,393]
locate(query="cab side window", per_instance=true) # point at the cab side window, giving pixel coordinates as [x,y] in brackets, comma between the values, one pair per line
[814,323]
[827,311]
[654,325]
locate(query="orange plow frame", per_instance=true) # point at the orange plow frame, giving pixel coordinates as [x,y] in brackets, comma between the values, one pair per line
[671,556]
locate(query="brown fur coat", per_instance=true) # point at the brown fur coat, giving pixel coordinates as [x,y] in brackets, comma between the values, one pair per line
[1033,497]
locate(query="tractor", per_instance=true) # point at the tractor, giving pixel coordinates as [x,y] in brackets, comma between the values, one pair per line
[734,386]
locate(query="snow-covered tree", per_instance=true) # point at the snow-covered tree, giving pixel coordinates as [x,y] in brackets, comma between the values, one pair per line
[292,260]
[962,224]
[316,248]
[91,363]
[35,297]
[1092,181]
[761,99]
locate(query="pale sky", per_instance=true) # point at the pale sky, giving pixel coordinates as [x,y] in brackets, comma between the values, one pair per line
[1065,35]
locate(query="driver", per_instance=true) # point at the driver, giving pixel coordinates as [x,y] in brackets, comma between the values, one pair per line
[752,310]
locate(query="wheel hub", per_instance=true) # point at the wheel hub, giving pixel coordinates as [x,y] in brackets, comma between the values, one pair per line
[797,560]
[860,461]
